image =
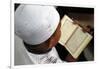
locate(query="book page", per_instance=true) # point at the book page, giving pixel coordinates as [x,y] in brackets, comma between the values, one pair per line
[76,40]
[67,30]
[64,19]
[82,46]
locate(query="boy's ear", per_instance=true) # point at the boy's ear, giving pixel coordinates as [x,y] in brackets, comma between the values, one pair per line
[51,42]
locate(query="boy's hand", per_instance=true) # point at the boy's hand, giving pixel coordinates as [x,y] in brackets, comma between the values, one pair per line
[86,28]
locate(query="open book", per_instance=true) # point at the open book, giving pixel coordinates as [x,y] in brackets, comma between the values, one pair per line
[72,37]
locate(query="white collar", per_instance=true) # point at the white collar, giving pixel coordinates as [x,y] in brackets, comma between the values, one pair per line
[50,57]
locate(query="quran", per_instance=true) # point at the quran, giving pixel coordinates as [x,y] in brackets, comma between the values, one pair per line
[72,37]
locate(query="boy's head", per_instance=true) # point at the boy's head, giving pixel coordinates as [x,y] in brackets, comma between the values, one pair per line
[37,25]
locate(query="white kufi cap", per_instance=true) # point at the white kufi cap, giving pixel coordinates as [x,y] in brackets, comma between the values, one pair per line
[35,23]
